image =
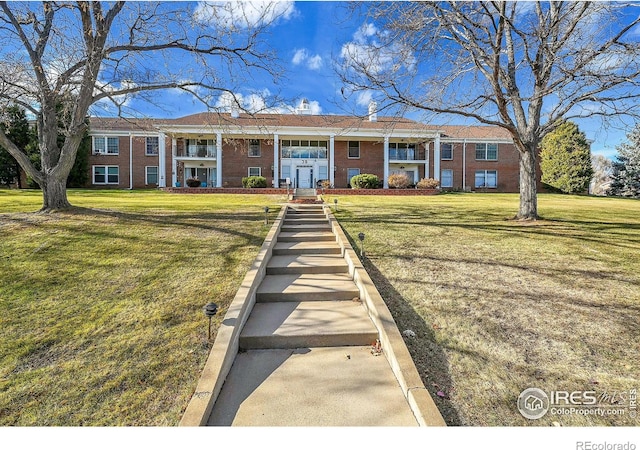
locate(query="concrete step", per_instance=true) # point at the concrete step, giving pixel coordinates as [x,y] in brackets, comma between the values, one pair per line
[312,247]
[312,387]
[296,227]
[302,236]
[301,207]
[307,324]
[293,264]
[307,287]
[302,215]
[306,220]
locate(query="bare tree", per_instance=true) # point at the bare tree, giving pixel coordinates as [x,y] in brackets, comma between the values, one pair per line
[522,66]
[602,169]
[58,59]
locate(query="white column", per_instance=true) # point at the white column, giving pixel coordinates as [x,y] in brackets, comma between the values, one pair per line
[218,159]
[331,162]
[436,158]
[386,163]
[174,162]
[426,158]
[162,161]
[130,161]
[464,164]
[276,161]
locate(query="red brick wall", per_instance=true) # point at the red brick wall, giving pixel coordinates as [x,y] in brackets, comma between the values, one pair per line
[121,160]
[371,160]
[236,161]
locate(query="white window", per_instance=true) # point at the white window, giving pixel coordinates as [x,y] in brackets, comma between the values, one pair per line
[446,152]
[352,173]
[323,173]
[487,152]
[254,148]
[106,145]
[446,178]
[106,174]
[402,151]
[151,175]
[255,171]
[304,149]
[286,172]
[486,179]
[354,150]
[152,145]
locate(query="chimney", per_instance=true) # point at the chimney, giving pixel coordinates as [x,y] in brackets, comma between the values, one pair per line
[304,108]
[373,113]
[235,111]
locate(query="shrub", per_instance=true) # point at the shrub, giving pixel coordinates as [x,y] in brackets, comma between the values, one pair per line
[254,182]
[325,184]
[399,181]
[193,182]
[365,181]
[428,183]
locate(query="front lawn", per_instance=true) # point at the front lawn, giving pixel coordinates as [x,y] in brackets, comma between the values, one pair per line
[499,306]
[102,320]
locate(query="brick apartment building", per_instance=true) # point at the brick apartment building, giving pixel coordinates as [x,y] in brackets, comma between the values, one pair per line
[304,149]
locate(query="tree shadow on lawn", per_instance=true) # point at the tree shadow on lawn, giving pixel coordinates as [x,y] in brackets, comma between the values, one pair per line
[429,358]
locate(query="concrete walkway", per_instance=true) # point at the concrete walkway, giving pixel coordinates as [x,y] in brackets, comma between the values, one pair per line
[308,354]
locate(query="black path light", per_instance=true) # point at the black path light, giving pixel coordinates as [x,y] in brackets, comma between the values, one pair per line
[335,203]
[361,237]
[210,310]
[266,215]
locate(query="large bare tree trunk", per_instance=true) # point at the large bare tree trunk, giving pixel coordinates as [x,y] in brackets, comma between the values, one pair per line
[528,186]
[54,192]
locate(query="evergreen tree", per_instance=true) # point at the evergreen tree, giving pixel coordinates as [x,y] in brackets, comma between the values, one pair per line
[565,159]
[16,126]
[625,179]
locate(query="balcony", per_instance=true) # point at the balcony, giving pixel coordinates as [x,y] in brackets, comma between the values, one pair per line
[197,151]
[406,154]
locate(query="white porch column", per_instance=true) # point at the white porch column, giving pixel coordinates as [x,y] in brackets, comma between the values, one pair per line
[436,158]
[331,162]
[218,159]
[276,161]
[386,163]
[162,161]
[426,159]
[130,161]
[174,162]
[464,164]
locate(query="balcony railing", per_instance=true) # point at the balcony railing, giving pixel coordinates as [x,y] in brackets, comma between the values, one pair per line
[402,154]
[198,151]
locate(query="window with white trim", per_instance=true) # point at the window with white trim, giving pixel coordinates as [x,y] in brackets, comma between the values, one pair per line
[446,178]
[105,145]
[354,150]
[106,174]
[152,145]
[486,179]
[151,175]
[255,171]
[352,173]
[487,152]
[446,152]
[254,148]
[402,151]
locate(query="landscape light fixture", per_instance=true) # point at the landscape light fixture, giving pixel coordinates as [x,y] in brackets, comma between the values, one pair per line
[210,310]
[361,237]
[266,215]
[335,202]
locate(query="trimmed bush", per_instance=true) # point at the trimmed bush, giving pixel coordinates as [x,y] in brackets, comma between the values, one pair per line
[254,182]
[428,183]
[365,181]
[399,181]
[193,182]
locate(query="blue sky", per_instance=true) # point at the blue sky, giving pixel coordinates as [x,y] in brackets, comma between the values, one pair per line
[308,39]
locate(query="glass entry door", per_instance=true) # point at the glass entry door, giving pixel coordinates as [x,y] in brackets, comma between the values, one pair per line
[304,177]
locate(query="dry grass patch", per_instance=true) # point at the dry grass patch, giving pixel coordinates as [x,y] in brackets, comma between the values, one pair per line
[102,320]
[499,306]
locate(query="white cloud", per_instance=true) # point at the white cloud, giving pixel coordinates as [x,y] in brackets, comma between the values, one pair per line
[364,98]
[257,102]
[366,53]
[243,13]
[301,56]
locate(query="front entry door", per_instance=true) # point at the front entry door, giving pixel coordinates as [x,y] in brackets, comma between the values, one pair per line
[304,177]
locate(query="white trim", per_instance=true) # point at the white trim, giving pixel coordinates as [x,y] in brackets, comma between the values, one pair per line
[385,181]
[146,175]
[349,148]
[276,161]
[174,161]
[331,161]
[436,158]
[485,179]
[442,178]
[106,174]
[218,159]
[162,160]
[486,151]
[254,167]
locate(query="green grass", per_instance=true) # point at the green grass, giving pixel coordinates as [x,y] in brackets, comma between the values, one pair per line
[499,306]
[102,320]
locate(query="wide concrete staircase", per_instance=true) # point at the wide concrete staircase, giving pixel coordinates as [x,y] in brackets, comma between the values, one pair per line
[307,351]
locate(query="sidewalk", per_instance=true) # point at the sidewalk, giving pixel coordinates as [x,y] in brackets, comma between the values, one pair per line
[308,354]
